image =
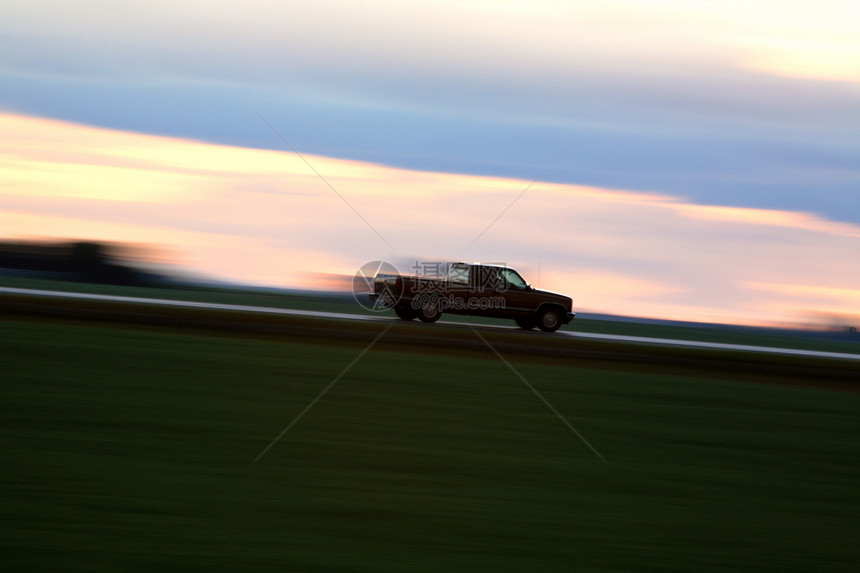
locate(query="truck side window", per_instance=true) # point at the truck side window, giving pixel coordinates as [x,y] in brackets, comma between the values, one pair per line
[458,275]
[488,277]
[513,280]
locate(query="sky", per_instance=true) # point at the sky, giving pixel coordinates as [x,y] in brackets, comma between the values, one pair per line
[689,160]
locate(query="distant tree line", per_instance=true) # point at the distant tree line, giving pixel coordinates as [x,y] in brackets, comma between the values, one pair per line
[82,261]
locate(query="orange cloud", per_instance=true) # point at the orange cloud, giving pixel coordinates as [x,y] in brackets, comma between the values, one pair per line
[766,217]
[263,216]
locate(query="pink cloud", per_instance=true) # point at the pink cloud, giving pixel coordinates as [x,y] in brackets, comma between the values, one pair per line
[262,216]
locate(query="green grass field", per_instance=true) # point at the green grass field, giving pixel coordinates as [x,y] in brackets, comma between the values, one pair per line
[131,448]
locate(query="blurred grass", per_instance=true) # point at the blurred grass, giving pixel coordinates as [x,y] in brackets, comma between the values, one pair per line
[130,448]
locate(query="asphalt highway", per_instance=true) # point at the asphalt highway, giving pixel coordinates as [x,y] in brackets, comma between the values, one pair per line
[347,316]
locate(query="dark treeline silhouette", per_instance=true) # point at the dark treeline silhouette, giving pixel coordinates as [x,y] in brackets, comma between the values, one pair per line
[82,261]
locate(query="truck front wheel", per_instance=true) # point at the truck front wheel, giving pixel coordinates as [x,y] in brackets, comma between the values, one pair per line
[549,320]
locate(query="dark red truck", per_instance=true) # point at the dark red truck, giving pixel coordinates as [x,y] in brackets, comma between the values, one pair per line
[473,289]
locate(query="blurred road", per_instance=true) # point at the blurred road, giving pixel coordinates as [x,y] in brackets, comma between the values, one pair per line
[346,316]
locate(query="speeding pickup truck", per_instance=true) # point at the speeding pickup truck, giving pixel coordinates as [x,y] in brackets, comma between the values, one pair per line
[473,289]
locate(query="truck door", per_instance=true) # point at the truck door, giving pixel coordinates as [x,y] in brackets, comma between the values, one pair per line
[484,286]
[515,290]
[458,286]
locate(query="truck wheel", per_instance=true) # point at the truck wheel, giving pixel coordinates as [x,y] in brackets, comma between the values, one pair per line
[430,309]
[549,320]
[526,323]
[405,312]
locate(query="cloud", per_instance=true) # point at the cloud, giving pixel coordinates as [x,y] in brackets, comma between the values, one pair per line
[766,217]
[824,305]
[261,216]
[441,55]
[700,99]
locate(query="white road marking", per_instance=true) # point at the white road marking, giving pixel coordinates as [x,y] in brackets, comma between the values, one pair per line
[189,304]
[346,316]
[712,345]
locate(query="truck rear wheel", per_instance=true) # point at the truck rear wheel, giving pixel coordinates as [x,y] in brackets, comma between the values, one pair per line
[430,309]
[549,320]
[405,312]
